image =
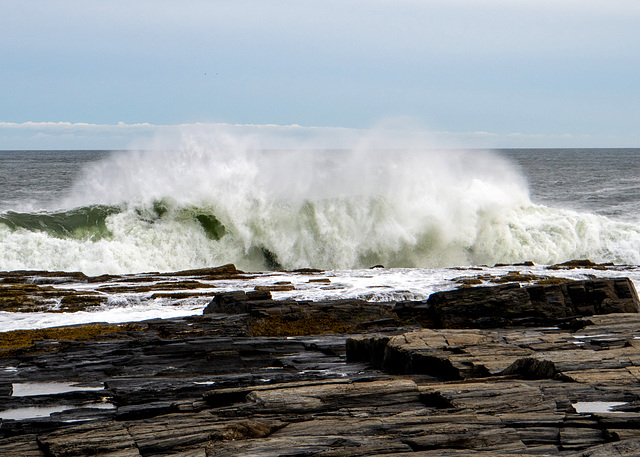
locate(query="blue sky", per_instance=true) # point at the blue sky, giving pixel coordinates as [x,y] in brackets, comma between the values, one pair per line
[478,73]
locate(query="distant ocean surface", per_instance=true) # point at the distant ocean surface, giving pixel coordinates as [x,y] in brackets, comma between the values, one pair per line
[134,211]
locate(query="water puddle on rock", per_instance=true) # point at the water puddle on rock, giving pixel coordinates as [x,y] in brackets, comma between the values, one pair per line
[28,389]
[33,412]
[587,407]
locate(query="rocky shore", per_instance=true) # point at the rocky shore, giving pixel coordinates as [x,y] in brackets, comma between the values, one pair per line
[551,368]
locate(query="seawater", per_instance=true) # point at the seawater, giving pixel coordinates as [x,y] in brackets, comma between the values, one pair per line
[223,202]
[598,181]
[418,212]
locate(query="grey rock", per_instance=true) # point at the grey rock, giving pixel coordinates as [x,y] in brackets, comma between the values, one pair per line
[205,386]
[498,306]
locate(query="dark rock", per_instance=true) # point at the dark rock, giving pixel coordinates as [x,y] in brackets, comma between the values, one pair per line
[259,295]
[223,271]
[498,306]
[228,303]
[579,438]
[87,439]
[627,448]
[251,429]
[460,354]
[531,368]
[209,385]
[238,302]
[370,349]
[580,263]
[6,389]
[145,411]
[275,288]
[331,396]
[575,324]
[21,446]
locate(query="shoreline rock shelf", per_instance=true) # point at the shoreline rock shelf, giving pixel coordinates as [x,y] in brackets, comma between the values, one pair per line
[492,371]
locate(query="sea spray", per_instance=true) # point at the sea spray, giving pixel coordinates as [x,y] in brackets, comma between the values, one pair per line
[217,198]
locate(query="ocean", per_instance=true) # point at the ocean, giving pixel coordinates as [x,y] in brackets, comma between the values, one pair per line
[427,216]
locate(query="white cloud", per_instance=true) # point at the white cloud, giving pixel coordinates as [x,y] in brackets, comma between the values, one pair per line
[397,133]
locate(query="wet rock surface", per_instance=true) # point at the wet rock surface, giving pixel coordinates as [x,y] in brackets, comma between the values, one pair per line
[255,376]
[513,304]
[59,291]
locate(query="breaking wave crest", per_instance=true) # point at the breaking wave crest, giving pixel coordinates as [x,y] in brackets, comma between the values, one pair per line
[222,199]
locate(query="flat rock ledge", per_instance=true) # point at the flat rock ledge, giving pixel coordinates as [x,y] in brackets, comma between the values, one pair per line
[513,304]
[485,380]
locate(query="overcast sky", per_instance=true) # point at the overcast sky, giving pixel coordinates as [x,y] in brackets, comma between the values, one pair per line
[485,73]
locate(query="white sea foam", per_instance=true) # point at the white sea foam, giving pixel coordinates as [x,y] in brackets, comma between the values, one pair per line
[376,285]
[301,208]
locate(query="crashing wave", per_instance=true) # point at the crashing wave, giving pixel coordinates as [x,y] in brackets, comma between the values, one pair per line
[221,200]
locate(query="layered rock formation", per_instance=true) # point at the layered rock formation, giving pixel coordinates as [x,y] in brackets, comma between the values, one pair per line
[513,304]
[255,376]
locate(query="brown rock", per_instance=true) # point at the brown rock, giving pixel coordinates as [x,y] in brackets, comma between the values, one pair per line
[110,440]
